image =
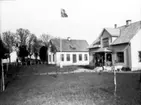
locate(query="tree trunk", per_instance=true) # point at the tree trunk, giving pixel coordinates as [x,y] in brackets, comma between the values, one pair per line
[9,60]
[36,60]
[30,60]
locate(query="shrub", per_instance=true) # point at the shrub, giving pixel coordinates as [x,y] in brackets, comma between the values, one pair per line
[87,66]
[126,69]
[43,53]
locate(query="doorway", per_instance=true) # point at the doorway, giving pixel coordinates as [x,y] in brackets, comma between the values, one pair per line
[74,58]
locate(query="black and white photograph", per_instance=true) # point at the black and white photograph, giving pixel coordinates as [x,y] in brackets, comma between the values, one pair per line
[70,52]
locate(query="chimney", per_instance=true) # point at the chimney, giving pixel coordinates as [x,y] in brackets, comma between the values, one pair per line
[115,25]
[128,22]
[68,38]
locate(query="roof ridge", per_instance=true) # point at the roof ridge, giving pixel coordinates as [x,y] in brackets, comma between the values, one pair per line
[127,32]
[80,45]
[129,24]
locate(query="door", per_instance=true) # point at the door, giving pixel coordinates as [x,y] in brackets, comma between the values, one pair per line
[109,59]
[74,58]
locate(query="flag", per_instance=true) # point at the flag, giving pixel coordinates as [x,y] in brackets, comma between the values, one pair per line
[63,13]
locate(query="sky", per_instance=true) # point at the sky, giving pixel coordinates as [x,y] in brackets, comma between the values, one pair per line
[86,18]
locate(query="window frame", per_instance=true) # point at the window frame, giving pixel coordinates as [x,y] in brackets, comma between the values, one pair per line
[139,56]
[120,60]
[74,58]
[85,57]
[67,57]
[49,57]
[80,57]
[62,57]
[53,55]
[107,42]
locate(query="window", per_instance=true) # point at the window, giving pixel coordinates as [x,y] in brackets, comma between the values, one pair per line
[86,57]
[62,57]
[49,58]
[120,57]
[80,57]
[53,57]
[105,42]
[139,56]
[68,57]
[74,58]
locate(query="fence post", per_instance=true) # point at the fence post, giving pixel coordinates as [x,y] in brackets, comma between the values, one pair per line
[2,77]
[115,79]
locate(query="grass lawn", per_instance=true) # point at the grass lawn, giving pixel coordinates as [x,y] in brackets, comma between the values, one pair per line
[43,68]
[72,89]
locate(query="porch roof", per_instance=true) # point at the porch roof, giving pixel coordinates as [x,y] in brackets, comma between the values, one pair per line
[120,47]
[103,50]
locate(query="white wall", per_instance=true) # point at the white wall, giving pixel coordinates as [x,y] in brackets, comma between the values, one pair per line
[124,64]
[91,59]
[51,61]
[122,48]
[113,39]
[135,47]
[65,62]
[13,57]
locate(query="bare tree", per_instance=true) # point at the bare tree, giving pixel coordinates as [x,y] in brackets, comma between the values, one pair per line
[30,43]
[22,35]
[36,47]
[9,39]
[46,38]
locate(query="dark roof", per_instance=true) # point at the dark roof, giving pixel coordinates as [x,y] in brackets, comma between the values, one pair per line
[70,45]
[127,33]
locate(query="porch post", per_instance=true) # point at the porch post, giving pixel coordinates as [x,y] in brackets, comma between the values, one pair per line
[94,60]
[105,59]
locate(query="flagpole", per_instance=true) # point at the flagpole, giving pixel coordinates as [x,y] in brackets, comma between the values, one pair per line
[60,52]
[63,15]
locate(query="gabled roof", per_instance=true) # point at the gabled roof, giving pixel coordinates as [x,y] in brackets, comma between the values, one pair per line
[124,33]
[70,45]
[96,43]
[127,33]
[113,31]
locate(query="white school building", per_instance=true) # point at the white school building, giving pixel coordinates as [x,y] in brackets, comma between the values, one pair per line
[71,52]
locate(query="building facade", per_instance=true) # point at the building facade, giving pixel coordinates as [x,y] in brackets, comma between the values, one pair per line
[68,52]
[119,46]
